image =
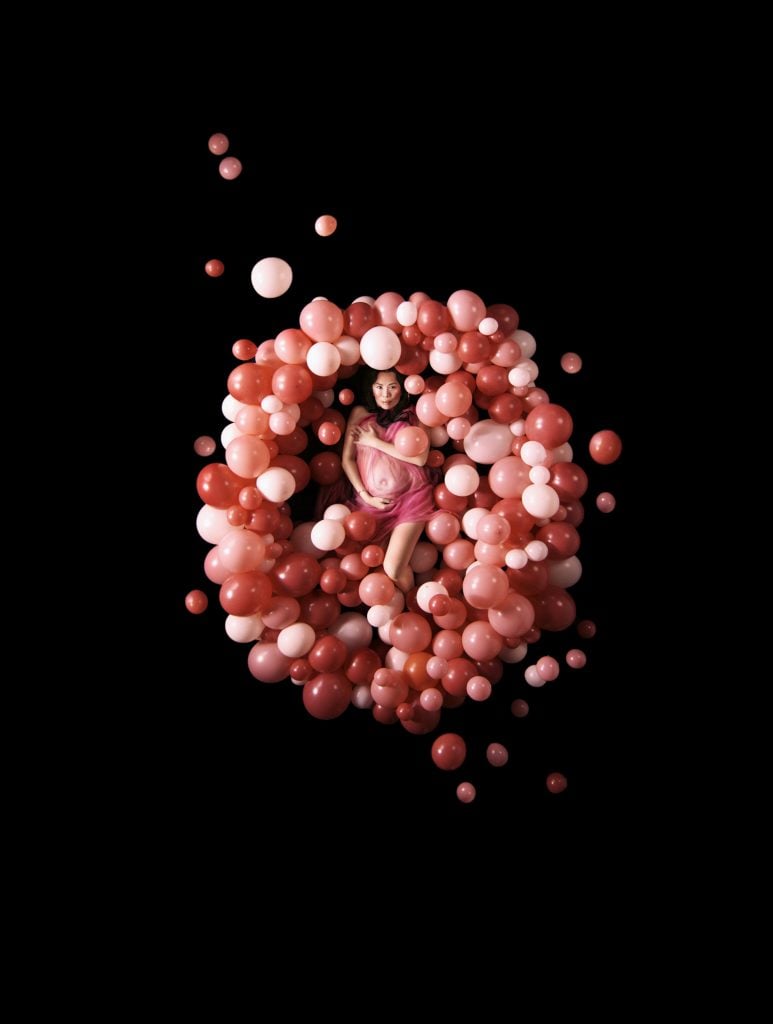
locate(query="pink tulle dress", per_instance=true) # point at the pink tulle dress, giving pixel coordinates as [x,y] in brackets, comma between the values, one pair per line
[410,487]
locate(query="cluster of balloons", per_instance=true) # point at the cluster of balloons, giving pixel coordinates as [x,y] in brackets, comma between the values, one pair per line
[494,569]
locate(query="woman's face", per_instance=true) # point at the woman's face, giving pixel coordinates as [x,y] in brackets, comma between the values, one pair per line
[386,390]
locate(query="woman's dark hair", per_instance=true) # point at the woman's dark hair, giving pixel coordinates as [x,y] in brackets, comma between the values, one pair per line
[366,378]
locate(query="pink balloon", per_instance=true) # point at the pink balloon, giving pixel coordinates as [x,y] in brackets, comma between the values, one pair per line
[218,144]
[281,611]
[443,528]
[453,399]
[508,477]
[204,445]
[322,321]
[461,480]
[513,616]
[458,554]
[267,663]
[247,456]
[230,168]
[467,310]
[387,306]
[376,588]
[481,641]
[414,384]
[410,632]
[478,688]
[411,441]
[485,586]
[241,550]
[214,568]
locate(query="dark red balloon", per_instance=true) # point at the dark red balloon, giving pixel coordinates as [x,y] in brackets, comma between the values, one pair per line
[328,654]
[505,316]
[295,574]
[449,751]
[245,593]
[359,318]
[554,609]
[320,610]
[568,480]
[325,468]
[219,486]
[327,695]
[549,424]
[433,318]
[562,539]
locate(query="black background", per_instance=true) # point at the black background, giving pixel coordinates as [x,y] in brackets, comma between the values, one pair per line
[553,231]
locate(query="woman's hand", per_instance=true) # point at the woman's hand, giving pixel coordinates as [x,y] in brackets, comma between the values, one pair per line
[364,435]
[376,502]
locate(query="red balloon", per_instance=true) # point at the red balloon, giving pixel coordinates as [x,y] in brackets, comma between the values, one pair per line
[325,468]
[492,380]
[433,318]
[292,383]
[421,721]
[360,526]
[319,610]
[245,593]
[549,424]
[411,335]
[474,347]
[296,574]
[562,539]
[244,349]
[361,666]
[238,516]
[575,513]
[359,318]
[605,447]
[410,632]
[328,654]
[327,695]
[505,408]
[297,467]
[505,316]
[196,602]
[329,433]
[311,409]
[264,519]
[554,609]
[458,673]
[219,486]
[449,502]
[568,480]
[250,383]
[385,716]
[449,751]
[532,579]
[412,360]
[333,581]
[294,443]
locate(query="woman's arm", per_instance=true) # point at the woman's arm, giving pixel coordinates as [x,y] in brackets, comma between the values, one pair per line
[349,462]
[368,436]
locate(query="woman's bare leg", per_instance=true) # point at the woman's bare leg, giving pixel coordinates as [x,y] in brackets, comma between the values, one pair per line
[398,554]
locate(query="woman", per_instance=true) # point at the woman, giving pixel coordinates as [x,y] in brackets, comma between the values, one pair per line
[396,489]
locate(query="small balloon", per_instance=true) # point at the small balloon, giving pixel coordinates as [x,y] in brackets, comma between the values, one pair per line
[230,168]
[196,601]
[218,144]
[214,268]
[271,277]
[325,225]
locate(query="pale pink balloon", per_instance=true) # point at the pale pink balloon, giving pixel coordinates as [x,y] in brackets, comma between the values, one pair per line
[536,550]
[376,588]
[231,407]
[526,343]
[437,667]
[251,419]
[467,310]
[212,524]
[348,350]
[605,502]
[267,663]
[281,423]
[271,277]
[481,641]
[446,342]
[428,412]
[337,511]
[458,554]
[323,358]
[508,477]
[488,326]
[322,321]
[466,792]
[411,441]
[243,629]
[516,558]
[431,699]
[418,297]
[487,441]
[361,697]
[462,480]
[453,398]
[493,529]
[519,376]
[512,655]
[458,428]
[444,362]
[489,554]
[247,456]
[230,433]
[438,436]
[507,354]
[265,353]
[241,550]
[576,658]
[367,299]
[513,616]
[218,144]
[395,659]
[296,640]
[352,629]
[485,586]
[281,611]
[540,501]
[478,688]
[325,225]
[271,404]
[277,484]
[406,314]
[387,305]
[380,348]
[414,384]
[442,529]
[565,573]
[291,346]
[533,678]
[379,615]
[563,453]
[328,534]
[204,445]
[424,557]
[533,453]
[497,754]
[230,168]
[471,519]
[214,568]
[518,428]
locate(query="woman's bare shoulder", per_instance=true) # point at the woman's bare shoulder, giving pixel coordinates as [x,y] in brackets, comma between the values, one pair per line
[358,413]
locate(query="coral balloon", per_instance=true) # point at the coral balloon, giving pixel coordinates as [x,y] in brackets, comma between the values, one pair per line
[449,751]
[605,447]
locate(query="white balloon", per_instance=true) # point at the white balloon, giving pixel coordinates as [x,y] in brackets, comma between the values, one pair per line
[518,429]
[537,550]
[271,277]
[488,325]
[470,521]
[565,573]
[426,592]
[337,512]
[462,480]
[380,348]
[271,404]
[540,501]
[516,558]
[380,614]
[277,484]
[486,442]
[526,342]
[406,314]
[229,433]
[515,654]
[444,362]
[231,407]
[395,659]
[362,697]
[212,524]
[243,628]
[323,358]
[296,640]
[352,629]
[328,534]
[532,453]
[539,474]
[367,299]
[563,453]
